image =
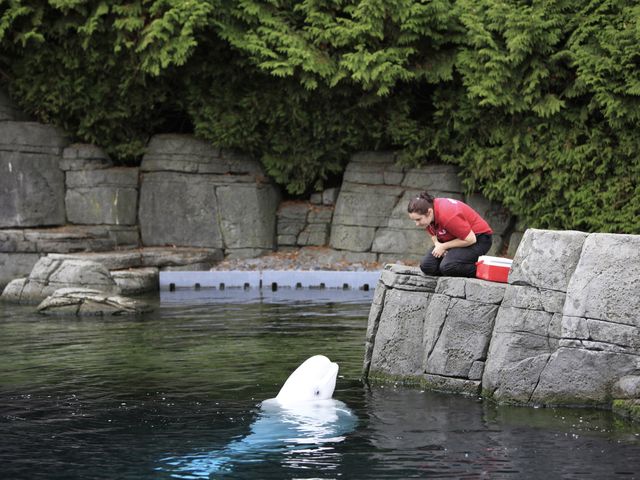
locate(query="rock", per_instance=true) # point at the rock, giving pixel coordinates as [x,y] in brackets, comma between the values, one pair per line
[401,236]
[352,238]
[176,257]
[581,376]
[628,387]
[321,215]
[438,180]
[49,275]
[364,205]
[115,260]
[135,281]
[187,154]
[179,209]
[547,259]
[314,234]
[600,337]
[31,183]
[291,220]
[397,348]
[195,195]
[330,196]
[83,156]
[248,215]
[606,287]
[33,138]
[457,334]
[373,168]
[327,259]
[514,242]
[402,277]
[16,265]
[87,301]
[105,196]
[68,239]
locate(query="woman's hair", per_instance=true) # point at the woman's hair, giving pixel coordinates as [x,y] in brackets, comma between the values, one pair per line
[420,203]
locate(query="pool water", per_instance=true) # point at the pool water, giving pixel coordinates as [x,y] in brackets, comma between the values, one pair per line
[176,394]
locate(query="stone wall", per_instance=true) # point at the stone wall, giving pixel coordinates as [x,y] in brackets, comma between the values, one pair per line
[371,210]
[565,330]
[193,194]
[62,198]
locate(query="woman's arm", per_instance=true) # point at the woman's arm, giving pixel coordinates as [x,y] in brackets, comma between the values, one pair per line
[441,248]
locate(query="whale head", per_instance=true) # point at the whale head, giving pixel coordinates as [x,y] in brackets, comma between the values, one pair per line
[314,379]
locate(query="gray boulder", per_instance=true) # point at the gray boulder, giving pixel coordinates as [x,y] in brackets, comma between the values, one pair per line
[135,281]
[397,348]
[248,216]
[49,275]
[103,196]
[187,154]
[606,282]
[373,168]
[547,259]
[364,205]
[16,265]
[438,180]
[600,325]
[628,387]
[194,194]
[31,182]
[95,238]
[90,302]
[84,156]
[179,209]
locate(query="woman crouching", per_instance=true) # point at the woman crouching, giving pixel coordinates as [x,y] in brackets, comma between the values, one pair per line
[459,234]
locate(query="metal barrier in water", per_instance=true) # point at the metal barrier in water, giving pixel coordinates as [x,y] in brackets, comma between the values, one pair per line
[269,279]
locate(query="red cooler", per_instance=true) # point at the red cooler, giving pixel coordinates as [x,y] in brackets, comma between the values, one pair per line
[494,269]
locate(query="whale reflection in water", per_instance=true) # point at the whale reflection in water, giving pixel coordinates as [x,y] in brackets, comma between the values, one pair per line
[300,424]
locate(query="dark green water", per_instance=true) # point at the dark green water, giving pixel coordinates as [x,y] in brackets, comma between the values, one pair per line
[114,398]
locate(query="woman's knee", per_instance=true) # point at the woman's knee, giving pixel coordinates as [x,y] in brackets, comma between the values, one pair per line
[430,265]
[455,269]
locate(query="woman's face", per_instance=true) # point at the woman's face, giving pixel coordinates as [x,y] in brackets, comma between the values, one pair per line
[422,220]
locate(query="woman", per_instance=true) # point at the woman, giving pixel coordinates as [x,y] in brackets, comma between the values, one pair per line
[460,235]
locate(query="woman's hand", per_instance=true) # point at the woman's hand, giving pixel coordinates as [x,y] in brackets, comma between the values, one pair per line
[438,249]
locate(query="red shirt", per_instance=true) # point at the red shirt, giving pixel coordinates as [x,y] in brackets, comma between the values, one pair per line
[455,219]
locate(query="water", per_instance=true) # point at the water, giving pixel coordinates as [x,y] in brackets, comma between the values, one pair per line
[139,398]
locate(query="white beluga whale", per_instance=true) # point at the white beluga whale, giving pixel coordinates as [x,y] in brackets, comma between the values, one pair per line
[301,420]
[314,379]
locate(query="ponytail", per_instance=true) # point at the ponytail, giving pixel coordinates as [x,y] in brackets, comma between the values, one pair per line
[420,203]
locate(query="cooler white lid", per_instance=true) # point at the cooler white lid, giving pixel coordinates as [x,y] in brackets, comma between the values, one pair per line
[497,261]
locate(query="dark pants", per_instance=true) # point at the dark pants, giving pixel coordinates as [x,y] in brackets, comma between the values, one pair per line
[458,262]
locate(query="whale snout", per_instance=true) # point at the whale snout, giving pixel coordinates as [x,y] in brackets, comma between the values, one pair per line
[314,379]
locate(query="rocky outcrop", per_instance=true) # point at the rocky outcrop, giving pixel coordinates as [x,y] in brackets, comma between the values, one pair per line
[102,197]
[302,224]
[434,329]
[31,182]
[49,275]
[193,194]
[90,302]
[565,329]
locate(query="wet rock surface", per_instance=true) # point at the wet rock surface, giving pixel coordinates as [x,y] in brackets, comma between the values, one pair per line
[90,302]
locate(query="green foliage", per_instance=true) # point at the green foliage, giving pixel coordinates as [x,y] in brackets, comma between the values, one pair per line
[537,101]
